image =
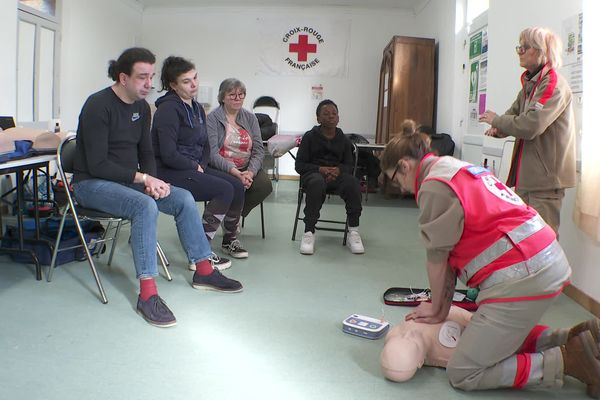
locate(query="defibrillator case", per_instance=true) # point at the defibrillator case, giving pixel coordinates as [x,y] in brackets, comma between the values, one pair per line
[412,297]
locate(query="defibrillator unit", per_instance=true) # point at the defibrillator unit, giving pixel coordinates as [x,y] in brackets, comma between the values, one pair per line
[367,327]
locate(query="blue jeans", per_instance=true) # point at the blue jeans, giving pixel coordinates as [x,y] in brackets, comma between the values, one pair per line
[130,202]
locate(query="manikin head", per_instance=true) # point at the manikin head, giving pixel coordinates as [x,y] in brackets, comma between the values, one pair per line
[403,355]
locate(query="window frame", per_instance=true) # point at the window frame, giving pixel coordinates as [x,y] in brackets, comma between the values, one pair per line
[41,20]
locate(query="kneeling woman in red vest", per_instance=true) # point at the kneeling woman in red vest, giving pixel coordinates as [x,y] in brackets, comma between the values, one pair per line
[478,230]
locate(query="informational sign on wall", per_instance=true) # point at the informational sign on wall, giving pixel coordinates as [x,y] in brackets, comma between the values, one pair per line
[573,52]
[572,69]
[478,52]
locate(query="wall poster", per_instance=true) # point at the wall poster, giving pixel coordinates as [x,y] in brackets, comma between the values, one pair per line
[478,52]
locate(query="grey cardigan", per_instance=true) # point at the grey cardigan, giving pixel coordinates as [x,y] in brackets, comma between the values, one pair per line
[216,122]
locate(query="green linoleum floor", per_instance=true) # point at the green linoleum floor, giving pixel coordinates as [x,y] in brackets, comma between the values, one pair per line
[280,338]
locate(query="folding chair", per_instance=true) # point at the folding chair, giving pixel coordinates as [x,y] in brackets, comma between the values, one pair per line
[65,159]
[269,106]
[301,193]
[262,220]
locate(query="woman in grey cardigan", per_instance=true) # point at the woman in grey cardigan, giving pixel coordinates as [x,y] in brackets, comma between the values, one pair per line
[236,145]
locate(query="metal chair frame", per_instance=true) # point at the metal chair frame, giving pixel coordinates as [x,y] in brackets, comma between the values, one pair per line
[65,165]
[269,103]
[262,220]
[327,221]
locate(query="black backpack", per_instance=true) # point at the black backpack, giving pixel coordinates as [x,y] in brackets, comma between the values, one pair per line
[442,144]
[268,128]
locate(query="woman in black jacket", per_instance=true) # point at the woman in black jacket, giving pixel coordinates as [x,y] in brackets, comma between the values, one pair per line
[182,154]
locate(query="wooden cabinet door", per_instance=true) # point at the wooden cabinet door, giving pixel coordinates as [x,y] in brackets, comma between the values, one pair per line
[406,86]
[383,109]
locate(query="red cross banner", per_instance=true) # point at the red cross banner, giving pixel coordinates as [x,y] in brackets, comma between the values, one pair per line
[312,47]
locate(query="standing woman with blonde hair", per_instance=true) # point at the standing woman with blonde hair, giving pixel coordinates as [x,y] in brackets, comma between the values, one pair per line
[541,119]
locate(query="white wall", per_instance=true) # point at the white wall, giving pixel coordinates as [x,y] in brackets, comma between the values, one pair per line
[437,21]
[503,84]
[224,42]
[93,33]
[8,66]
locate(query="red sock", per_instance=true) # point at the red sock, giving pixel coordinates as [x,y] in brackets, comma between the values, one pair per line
[204,268]
[147,288]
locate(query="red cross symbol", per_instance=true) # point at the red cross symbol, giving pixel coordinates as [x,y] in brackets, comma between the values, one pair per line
[503,189]
[302,48]
[500,186]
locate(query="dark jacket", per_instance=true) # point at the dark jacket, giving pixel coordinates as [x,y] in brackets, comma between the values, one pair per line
[179,135]
[113,139]
[317,151]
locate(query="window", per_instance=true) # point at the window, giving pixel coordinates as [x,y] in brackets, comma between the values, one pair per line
[37,61]
[475,8]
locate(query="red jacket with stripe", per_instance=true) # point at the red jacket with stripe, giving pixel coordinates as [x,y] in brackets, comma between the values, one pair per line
[542,121]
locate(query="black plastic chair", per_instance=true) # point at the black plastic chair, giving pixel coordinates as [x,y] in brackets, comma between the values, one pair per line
[267,106]
[262,220]
[266,101]
[328,193]
[65,159]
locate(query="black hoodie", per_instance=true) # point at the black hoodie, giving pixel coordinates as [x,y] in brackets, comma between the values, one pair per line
[317,151]
[179,135]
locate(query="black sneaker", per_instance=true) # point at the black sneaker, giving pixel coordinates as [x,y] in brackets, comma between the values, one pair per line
[216,281]
[235,249]
[155,312]
[217,262]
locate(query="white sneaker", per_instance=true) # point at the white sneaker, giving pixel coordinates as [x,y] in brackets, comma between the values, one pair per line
[354,242]
[307,246]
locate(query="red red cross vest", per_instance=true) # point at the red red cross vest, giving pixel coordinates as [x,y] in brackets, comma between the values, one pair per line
[499,231]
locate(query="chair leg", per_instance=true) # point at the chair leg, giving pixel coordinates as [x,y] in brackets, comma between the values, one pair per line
[262,219]
[163,261]
[56,246]
[115,237]
[88,255]
[345,232]
[90,260]
[300,194]
[103,239]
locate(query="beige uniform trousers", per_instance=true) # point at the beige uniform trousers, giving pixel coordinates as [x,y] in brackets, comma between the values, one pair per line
[485,357]
[547,203]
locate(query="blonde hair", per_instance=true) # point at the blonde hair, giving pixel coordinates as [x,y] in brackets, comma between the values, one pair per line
[408,127]
[413,146]
[548,44]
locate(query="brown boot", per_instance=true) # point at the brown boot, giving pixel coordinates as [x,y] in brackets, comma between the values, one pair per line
[593,325]
[581,358]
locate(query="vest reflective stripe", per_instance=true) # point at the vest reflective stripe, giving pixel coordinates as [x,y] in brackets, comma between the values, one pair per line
[552,254]
[502,246]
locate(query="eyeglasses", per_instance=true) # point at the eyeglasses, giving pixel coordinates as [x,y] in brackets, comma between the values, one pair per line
[395,172]
[522,49]
[234,96]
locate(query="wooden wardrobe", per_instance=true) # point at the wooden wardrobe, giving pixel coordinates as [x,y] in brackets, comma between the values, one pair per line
[406,85]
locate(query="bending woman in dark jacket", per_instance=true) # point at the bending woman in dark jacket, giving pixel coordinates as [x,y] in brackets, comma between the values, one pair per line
[182,154]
